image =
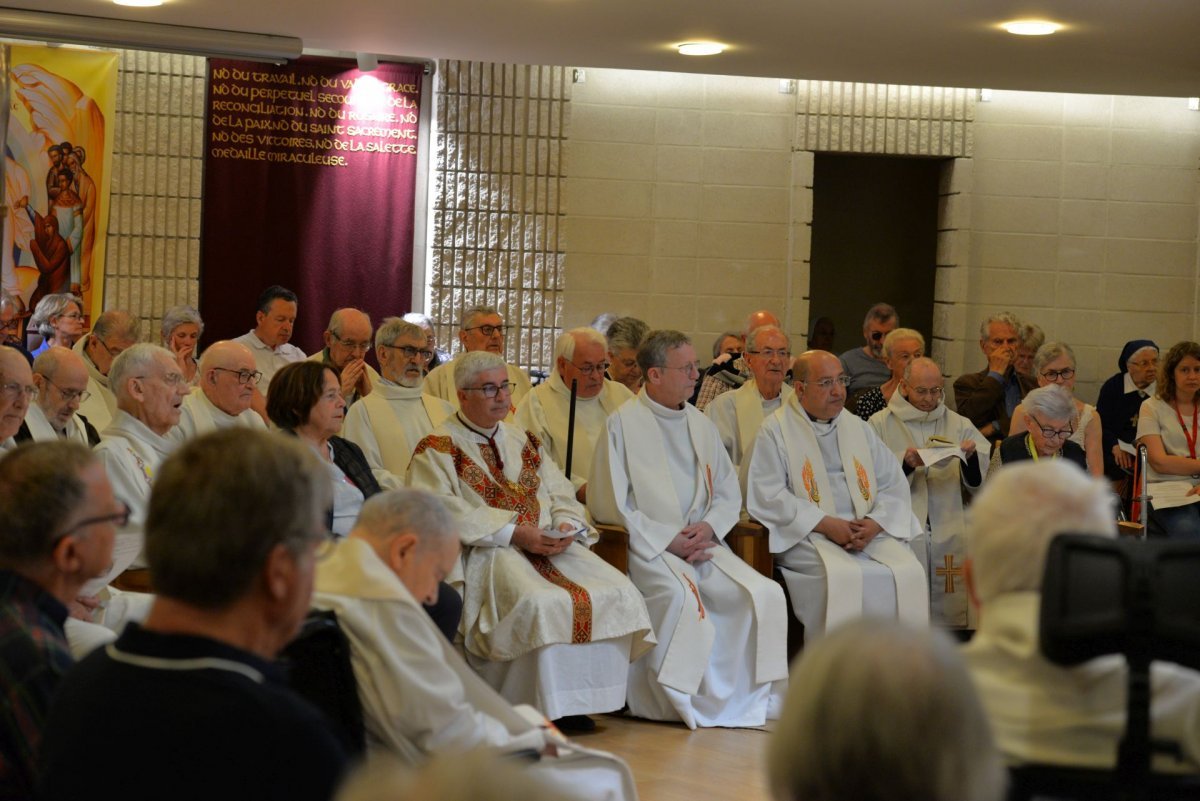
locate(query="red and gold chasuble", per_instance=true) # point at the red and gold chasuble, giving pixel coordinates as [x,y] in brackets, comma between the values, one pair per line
[520,497]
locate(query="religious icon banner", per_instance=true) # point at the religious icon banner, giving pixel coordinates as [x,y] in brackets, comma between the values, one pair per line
[58,160]
[309,182]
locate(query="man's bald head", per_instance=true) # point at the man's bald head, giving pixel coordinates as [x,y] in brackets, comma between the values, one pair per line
[923,384]
[348,336]
[61,378]
[804,362]
[820,383]
[222,368]
[16,388]
[760,318]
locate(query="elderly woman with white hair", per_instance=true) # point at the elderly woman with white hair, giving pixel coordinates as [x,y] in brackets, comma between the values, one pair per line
[859,702]
[1051,413]
[181,330]
[59,319]
[900,347]
[1054,365]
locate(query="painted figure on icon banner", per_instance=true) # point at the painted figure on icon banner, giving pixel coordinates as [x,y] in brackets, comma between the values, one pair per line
[60,119]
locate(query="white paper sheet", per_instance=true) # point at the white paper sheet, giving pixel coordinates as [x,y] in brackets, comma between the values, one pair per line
[1170,494]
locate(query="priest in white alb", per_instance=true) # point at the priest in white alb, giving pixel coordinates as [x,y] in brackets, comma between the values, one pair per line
[61,378]
[482,329]
[661,472]
[419,697]
[836,506]
[545,621]
[739,414]
[579,356]
[389,422]
[227,375]
[916,419]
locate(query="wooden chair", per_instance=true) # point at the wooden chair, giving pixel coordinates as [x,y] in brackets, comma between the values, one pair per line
[748,540]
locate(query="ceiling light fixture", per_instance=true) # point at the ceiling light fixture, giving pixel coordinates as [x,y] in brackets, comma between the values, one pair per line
[1032,27]
[139,3]
[700,48]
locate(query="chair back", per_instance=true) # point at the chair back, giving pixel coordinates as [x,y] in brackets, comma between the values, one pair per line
[320,671]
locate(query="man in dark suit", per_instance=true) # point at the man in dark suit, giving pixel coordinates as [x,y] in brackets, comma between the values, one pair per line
[989,397]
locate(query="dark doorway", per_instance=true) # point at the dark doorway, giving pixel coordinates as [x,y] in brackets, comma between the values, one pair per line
[874,238]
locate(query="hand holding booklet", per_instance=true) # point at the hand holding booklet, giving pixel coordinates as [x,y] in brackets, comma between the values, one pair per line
[1170,494]
[579,531]
[940,450]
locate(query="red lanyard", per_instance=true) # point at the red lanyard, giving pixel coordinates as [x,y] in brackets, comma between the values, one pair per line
[1191,438]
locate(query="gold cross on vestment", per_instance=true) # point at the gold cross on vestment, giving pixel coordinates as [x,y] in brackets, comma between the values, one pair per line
[949,571]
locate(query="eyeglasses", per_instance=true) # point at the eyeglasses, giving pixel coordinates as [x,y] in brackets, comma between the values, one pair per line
[71,316]
[927,392]
[591,369]
[13,390]
[410,352]
[826,384]
[112,352]
[172,379]
[878,335]
[1145,363]
[243,376]
[488,330]
[1063,374]
[1053,433]
[346,343]
[492,390]
[771,353]
[69,395]
[687,369]
[120,518]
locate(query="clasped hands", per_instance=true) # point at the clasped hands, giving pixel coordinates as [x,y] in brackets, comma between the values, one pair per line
[694,542]
[354,377]
[853,535]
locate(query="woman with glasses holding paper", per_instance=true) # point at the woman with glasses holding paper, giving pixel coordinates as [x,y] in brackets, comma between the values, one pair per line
[1054,364]
[1051,414]
[1167,426]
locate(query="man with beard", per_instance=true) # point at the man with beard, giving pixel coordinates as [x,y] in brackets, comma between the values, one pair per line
[388,423]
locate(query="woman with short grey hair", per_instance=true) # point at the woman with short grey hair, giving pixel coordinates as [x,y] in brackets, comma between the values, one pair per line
[181,330]
[59,319]
[1051,422]
[1054,364]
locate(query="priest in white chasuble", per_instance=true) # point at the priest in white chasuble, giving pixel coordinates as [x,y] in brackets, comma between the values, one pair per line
[419,697]
[917,418]
[389,422]
[661,472]
[482,329]
[545,621]
[226,378]
[579,356]
[739,414]
[836,505]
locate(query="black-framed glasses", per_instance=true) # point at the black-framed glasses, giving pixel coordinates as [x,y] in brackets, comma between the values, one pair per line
[591,369]
[771,353]
[119,518]
[69,395]
[352,345]
[1056,375]
[411,353]
[243,376]
[1053,433]
[488,330]
[12,390]
[492,390]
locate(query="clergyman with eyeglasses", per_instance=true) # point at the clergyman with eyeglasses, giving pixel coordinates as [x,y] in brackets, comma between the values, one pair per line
[580,356]
[388,423]
[738,414]
[150,389]
[546,622]
[16,393]
[113,332]
[61,379]
[226,378]
[836,505]
[347,343]
[915,419]
[482,329]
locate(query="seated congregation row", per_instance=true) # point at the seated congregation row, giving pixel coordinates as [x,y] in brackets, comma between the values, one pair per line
[545,622]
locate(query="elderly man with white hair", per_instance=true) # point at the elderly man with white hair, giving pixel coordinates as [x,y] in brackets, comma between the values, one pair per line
[113,332]
[227,377]
[1042,712]
[730,370]
[836,505]
[389,422]
[482,329]
[990,396]
[150,389]
[545,621]
[916,420]
[739,414]
[347,342]
[16,392]
[546,411]
[419,697]
[61,379]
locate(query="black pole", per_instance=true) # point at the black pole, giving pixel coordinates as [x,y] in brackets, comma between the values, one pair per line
[571,427]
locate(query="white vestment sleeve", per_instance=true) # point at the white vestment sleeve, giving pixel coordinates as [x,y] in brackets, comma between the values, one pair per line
[723,413]
[771,496]
[357,429]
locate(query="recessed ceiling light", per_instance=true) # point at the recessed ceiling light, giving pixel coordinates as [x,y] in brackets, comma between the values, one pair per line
[1032,27]
[139,3]
[700,48]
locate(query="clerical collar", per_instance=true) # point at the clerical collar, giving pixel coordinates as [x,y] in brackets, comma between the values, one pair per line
[828,422]
[491,438]
[661,410]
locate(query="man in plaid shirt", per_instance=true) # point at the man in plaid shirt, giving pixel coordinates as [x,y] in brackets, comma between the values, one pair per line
[58,518]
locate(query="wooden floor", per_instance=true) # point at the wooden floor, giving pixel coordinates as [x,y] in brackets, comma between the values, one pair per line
[672,763]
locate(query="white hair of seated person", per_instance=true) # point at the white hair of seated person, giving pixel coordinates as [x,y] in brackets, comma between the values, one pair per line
[479,775]
[471,364]
[1016,514]
[1050,402]
[567,341]
[878,710]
